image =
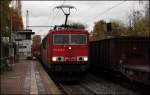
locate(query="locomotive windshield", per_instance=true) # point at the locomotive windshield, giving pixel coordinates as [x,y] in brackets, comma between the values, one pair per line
[78,39]
[61,39]
[72,39]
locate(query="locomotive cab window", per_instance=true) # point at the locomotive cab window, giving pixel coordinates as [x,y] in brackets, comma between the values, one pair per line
[78,39]
[61,39]
[72,39]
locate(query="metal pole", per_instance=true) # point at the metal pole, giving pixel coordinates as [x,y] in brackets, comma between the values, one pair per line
[148,18]
[10,35]
[2,14]
[11,51]
[27,19]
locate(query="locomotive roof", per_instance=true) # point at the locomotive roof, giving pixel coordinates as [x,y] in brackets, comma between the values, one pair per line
[69,30]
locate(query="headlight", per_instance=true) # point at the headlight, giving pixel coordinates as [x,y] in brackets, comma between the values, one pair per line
[85,58]
[54,58]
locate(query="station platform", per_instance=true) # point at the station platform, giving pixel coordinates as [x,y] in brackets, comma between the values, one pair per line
[27,77]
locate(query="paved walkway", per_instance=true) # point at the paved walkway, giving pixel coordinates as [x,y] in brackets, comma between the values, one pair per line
[27,77]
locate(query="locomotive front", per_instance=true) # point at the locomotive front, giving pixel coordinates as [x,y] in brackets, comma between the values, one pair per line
[69,52]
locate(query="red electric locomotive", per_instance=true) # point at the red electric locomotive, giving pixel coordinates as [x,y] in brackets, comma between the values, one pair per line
[64,51]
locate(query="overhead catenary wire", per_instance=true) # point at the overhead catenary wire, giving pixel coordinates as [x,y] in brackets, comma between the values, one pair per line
[102,13]
[46,26]
[51,21]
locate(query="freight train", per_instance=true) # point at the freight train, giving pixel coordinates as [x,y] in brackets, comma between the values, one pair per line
[127,56]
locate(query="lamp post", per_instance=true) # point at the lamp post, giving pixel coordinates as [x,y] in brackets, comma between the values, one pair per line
[11,54]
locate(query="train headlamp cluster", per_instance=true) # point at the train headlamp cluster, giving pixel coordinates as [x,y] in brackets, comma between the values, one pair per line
[82,58]
[61,58]
[54,58]
[85,58]
[58,58]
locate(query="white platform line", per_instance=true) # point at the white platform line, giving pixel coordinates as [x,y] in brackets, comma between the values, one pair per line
[33,84]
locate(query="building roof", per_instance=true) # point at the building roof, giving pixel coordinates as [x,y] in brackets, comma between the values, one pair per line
[27,31]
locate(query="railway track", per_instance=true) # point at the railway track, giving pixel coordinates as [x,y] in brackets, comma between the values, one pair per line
[125,83]
[135,86]
[95,86]
[75,89]
[106,86]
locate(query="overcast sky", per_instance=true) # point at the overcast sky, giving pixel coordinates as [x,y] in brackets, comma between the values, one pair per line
[86,12]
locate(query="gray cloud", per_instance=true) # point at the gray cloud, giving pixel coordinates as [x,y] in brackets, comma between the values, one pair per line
[43,12]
